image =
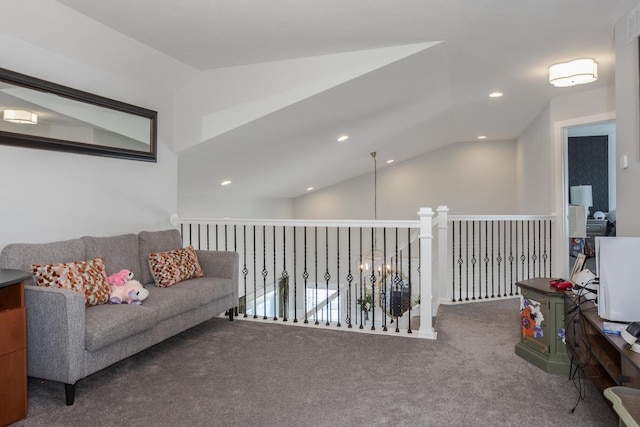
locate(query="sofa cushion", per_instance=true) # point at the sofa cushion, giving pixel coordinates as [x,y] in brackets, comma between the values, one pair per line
[172,301]
[109,323]
[208,289]
[169,268]
[119,252]
[156,241]
[88,278]
[21,256]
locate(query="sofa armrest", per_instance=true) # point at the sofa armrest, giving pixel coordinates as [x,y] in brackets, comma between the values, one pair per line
[55,334]
[225,264]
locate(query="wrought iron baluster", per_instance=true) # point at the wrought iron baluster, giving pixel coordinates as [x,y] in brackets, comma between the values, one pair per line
[316,271]
[511,278]
[362,288]
[499,261]
[285,276]
[528,250]
[493,258]
[295,278]
[534,256]
[550,248]
[410,280]
[305,276]
[473,260]
[235,249]
[466,238]
[217,237]
[523,258]
[264,272]
[245,271]
[275,284]
[349,281]
[327,276]
[383,276]
[460,260]
[373,280]
[486,259]
[255,277]
[338,270]
[398,289]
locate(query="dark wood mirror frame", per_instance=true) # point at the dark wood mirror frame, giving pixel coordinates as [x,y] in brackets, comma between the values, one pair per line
[78,105]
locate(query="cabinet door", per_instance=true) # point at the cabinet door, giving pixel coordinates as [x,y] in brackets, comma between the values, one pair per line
[13,386]
[12,331]
[534,321]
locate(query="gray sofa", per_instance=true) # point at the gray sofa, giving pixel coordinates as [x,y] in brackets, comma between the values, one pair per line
[67,342]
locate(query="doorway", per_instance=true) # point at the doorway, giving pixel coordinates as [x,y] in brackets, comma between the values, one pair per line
[590,170]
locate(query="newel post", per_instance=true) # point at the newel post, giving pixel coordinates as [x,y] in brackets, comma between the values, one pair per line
[426,295]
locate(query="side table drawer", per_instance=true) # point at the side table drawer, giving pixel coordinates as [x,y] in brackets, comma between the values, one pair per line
[596,227]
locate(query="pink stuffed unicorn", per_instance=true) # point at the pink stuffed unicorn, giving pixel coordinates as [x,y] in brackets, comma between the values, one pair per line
[120,278]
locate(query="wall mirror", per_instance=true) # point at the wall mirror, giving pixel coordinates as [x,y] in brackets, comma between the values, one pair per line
[39,114]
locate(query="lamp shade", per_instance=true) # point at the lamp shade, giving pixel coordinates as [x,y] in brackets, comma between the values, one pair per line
[581,195]
[576,72]
[20,116]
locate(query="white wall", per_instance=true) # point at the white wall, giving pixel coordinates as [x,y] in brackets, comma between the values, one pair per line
[534,193]
[47,195]
[470,178]
[214,203]
[627,142]
[539,173]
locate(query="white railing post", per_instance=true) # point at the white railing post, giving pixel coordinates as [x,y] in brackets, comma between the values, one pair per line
[443,246]
[426,295]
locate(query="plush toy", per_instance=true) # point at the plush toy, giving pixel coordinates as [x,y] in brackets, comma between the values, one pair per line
[120,278]
[132,292]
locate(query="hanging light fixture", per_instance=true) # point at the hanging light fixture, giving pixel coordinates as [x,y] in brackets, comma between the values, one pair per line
[576,72]
[20,116]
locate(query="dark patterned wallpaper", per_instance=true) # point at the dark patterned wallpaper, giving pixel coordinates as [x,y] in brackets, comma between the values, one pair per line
[589,165]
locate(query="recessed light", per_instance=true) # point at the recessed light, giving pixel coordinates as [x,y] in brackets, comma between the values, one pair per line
[343,138]
[482,137]
[389,161]
[227,182]
[309,188]
[495,94]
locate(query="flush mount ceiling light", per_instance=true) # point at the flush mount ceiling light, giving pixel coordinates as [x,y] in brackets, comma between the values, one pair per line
[495,94]
[227,182]
[576,72]
[343,138]
[20,116]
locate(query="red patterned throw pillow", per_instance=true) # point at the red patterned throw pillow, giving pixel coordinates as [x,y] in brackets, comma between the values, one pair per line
[88,278]
[169,268]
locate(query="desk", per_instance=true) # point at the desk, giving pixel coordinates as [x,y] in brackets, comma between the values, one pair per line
[626,403]
[13,346]
[605,358]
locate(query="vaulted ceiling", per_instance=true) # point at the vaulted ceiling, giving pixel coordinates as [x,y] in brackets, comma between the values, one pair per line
[399,77]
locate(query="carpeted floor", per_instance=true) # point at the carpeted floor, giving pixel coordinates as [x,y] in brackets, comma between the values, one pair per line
[253,374]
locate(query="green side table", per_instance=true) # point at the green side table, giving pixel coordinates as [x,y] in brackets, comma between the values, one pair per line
[542,337]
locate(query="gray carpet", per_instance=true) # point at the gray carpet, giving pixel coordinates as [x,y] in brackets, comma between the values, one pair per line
[252,374]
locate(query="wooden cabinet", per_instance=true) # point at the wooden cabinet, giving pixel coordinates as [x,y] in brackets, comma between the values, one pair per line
[13,347]
[542,326]
[605,358]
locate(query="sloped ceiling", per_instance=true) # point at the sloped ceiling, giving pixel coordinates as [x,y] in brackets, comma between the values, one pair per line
[280,80]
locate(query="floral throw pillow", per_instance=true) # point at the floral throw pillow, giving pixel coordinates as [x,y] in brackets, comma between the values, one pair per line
[169,268]
[88,278]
